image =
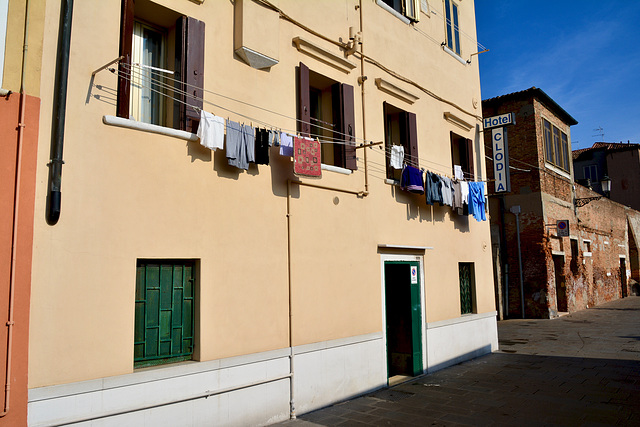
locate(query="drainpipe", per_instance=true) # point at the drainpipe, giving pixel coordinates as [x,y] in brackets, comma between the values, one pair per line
[292,407]
[54,194]
[361,80]
[14,231]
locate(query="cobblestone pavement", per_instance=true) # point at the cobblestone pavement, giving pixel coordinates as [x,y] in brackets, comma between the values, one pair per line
[582,369]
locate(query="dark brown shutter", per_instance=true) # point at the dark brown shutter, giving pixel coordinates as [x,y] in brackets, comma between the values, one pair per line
[344,153]
[409,136]
[190,69]
[469,152]
[304,100]
[348,130]
[126,47]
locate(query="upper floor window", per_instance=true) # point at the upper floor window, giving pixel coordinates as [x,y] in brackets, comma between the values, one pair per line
[326,112]
[407,8]
[462,155]
[556,145]
[591,172]
[400,129]
[451,22]
[161,77]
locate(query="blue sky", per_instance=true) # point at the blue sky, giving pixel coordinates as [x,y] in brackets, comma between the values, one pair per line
[584,54]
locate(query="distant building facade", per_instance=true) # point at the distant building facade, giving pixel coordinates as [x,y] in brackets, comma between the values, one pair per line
[597,258]
[619,161]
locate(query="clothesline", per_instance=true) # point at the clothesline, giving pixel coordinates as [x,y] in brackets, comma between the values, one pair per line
[252,119]
[133,69]
[320,138]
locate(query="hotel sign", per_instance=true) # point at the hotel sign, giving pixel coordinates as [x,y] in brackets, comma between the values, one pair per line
[499,121]
[502,183]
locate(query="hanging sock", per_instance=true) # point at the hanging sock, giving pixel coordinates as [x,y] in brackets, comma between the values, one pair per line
[306,159]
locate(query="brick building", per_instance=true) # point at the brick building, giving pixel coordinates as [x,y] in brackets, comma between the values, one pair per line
[591,265]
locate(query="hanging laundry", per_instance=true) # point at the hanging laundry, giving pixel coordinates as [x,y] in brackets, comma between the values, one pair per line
[447,191]
[397,156]
[249,137]
[464,193]
[457,172]
[433,187]
[306,159]
[411,180]
[240,145]
[211,130]
[457,196]
[236,148]
[274,138]
[286,145]
[476,201]
[262,147]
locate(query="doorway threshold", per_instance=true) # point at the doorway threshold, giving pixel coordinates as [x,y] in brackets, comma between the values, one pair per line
[399,379]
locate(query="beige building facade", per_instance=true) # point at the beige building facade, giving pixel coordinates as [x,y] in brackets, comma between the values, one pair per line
[169,286]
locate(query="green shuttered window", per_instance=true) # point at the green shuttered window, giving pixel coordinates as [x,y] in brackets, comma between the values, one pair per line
[165,291]
[467,284]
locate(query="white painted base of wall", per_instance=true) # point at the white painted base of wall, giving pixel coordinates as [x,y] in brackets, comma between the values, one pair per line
[453,341]
[252,389]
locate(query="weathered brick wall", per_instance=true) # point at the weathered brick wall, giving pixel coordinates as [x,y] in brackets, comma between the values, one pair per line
[546,194]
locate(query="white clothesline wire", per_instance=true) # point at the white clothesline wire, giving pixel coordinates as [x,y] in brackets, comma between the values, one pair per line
[410,158]
[132,69]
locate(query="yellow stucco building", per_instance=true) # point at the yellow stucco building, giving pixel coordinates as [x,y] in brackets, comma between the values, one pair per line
[172,284]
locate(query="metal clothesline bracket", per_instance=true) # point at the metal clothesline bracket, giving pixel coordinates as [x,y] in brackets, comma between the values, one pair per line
[369,145]
[106,65]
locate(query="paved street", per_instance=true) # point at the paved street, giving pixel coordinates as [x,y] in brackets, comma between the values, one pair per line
[580,369]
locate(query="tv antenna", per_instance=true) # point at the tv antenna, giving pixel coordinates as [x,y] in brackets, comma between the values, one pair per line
[600,133]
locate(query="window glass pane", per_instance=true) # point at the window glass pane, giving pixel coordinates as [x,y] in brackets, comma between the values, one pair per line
[565,152]
[447,12]
[548,146]
[556,146]
[146,85]
[456,33]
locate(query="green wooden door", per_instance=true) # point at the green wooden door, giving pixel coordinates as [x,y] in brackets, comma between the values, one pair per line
[404,318]
[416,317]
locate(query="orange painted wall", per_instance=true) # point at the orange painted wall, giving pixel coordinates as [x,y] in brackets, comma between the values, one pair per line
[9,117]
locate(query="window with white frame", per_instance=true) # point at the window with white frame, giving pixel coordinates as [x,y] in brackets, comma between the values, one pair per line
[407,8]
[452,27]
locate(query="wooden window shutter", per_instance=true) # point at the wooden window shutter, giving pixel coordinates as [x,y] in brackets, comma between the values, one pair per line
[304,100]
[349,127]
[344,153]
[190,68]
[409,135]
[124,70]
[469,152]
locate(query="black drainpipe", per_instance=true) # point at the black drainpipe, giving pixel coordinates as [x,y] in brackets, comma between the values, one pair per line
[54,196]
